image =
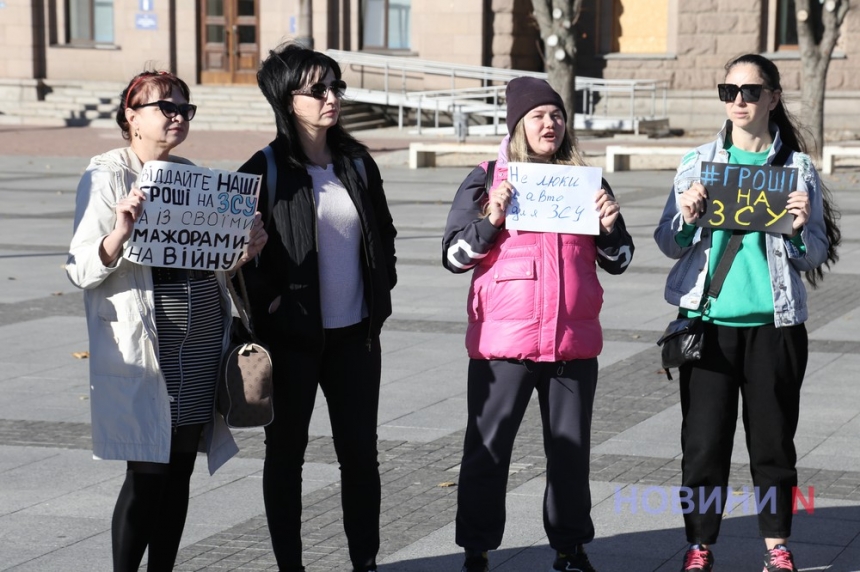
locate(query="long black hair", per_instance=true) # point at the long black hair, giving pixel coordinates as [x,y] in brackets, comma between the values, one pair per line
[790,134]
[288,68]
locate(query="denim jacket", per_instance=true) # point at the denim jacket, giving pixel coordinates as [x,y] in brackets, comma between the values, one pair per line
[685,285]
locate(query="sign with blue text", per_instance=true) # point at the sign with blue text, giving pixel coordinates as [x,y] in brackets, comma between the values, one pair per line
[747,197]
[553,198]
[193,217]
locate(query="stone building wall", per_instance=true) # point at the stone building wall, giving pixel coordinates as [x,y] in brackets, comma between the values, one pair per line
[711,32]
[516,38]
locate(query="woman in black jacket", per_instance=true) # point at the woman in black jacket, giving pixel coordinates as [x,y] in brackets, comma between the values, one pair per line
[319,294]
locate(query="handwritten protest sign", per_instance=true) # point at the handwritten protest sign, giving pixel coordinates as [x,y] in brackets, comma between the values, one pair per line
[553,198]
[193,217]
[748,197]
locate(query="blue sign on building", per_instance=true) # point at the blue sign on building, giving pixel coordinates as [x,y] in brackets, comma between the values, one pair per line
[146,5]
[145,21]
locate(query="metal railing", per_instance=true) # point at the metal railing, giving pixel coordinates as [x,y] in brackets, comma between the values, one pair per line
[396,72]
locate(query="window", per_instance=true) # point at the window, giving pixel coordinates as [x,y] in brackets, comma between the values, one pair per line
[782,24]
[786,25]
[90,22]
[640,27]
[385,24]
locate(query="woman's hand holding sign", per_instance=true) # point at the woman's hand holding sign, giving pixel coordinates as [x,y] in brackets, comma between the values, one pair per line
[256,240]
[693,202]
[608,209]
[128,210]
[798,205]
[500,198]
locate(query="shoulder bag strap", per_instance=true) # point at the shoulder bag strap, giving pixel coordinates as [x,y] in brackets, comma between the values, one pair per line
[725,263]
[781,156]
[240,303]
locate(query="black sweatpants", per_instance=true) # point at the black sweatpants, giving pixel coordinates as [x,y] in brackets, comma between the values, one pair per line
[766,365]
[348,371]
[498,394]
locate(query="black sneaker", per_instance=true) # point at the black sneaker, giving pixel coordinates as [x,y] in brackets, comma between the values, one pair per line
[698,559]
[476,562]
[575,562]
[779,559]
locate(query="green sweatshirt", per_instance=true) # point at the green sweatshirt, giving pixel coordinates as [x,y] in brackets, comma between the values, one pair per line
[746,298]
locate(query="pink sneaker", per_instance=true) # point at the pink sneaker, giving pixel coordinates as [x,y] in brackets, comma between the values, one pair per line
[779,559]
[698,559]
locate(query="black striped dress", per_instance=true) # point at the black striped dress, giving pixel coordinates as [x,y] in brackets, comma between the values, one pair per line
[189,321]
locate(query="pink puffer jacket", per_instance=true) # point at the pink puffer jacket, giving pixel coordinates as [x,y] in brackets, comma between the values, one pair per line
[536,296]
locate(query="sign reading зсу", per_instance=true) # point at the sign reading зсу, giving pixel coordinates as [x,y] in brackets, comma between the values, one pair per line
[193,217]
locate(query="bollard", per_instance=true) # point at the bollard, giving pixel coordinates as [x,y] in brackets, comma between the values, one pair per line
[461,124]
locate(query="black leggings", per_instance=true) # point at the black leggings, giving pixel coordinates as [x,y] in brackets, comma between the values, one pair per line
[152,505]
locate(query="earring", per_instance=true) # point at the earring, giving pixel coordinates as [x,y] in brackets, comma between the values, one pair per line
[137,133]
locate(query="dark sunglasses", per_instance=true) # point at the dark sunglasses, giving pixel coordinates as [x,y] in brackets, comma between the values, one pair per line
[171,110]
[750,92]
[320,90]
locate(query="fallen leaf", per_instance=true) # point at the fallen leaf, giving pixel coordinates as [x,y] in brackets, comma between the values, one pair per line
[80,355]
[447,484]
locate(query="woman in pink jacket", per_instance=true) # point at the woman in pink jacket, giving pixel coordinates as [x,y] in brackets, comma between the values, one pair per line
[533,308]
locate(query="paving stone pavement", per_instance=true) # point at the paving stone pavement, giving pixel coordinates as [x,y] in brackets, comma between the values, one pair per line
[55,502]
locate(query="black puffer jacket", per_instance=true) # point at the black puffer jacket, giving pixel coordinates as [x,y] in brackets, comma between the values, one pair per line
[288,265]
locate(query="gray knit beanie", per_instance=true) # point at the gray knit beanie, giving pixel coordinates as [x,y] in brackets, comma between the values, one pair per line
[524,94]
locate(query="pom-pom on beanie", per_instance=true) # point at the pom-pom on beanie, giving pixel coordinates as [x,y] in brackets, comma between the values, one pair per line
[524,94]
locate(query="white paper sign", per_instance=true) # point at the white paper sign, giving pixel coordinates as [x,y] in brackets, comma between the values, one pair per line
[193,217]
[553,198]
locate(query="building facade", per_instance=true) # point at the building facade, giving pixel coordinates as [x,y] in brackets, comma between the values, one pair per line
[685,42]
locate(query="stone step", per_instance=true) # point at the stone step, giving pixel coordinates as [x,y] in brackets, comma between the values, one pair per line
[219,108]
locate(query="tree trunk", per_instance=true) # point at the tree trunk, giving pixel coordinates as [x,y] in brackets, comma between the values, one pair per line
[305,35]
[556,19]
[815,54]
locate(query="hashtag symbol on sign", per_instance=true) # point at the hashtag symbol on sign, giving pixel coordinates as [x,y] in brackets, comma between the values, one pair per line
[710,175]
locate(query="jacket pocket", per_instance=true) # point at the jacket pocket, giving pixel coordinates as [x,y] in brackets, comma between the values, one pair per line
[512,291]
[120,351]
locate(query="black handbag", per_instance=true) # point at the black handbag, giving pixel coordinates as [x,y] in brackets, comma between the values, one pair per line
[683,341]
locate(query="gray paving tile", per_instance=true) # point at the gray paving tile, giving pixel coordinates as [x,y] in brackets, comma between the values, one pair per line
[422,411]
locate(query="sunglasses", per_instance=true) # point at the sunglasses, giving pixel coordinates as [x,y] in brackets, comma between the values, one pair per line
[750,92]
[320,90]
[171,110]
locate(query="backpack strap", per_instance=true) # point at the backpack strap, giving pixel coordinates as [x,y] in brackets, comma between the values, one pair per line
[488,179]
[358,162]
[271,180]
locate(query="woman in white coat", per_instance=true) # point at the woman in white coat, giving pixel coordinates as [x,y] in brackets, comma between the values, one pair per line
[154,362]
